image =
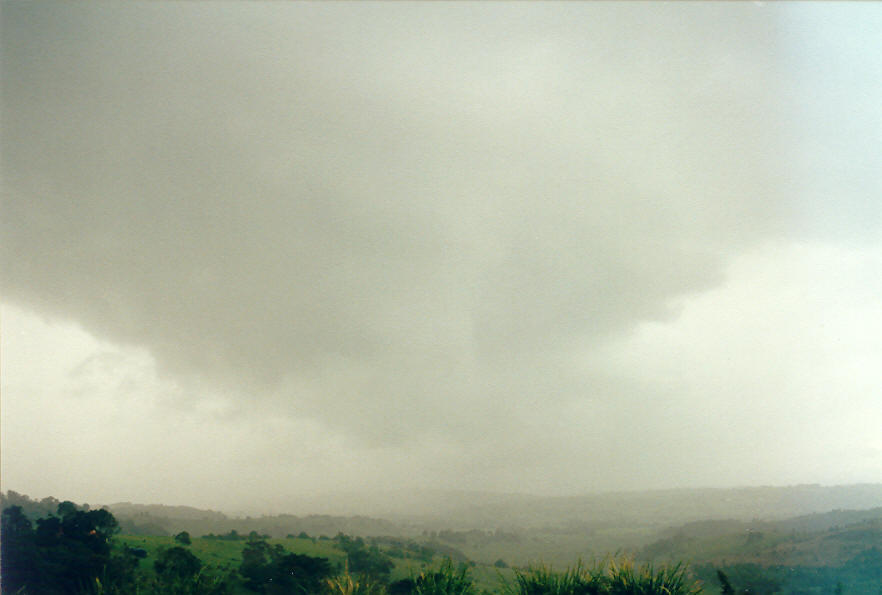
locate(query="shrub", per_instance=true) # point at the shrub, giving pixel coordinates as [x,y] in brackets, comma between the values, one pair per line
[176,563]
[183,538]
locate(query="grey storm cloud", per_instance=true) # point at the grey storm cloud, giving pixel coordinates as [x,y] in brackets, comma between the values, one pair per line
[341,211]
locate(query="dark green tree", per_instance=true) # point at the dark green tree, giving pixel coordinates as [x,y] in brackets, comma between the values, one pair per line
[176,563]
[183,538]
[18,552]
[725,585]
[179,572]
[363,560]
[272,569]
[63,554]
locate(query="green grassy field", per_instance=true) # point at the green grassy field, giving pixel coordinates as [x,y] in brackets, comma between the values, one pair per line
[226,555]
[764,555]
[222,556]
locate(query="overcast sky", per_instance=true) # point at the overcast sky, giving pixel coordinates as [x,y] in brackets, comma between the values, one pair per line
[253,250]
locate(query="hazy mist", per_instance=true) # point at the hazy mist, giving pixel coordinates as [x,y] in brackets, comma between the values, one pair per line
[253,251]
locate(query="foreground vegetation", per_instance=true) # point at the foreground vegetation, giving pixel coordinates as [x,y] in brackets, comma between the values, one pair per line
[78,551]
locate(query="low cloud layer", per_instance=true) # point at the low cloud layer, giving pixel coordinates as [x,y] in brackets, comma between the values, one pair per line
[394,225]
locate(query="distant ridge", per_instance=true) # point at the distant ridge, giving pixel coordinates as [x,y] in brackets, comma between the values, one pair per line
[377,511]
[467,509]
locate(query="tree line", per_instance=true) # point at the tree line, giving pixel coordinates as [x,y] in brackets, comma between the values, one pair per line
[72,552]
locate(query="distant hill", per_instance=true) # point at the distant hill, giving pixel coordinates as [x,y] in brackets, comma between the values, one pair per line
[146,519]
[159,519]
[465,510]
[406,512]
[828,539]
[838,551]
[801,537]
[127,509]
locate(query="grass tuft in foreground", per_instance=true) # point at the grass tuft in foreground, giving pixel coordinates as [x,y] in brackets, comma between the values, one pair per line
[447,580]
[613,576]
[346,585]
